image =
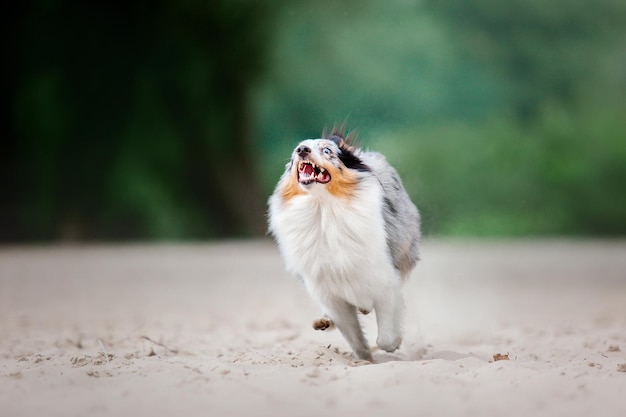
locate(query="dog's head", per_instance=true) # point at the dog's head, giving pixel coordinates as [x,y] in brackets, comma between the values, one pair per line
[331,162]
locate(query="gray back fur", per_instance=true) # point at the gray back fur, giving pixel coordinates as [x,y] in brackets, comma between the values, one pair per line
[402,220]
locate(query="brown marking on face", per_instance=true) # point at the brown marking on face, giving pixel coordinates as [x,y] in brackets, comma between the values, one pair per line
[343,182]
[291,188]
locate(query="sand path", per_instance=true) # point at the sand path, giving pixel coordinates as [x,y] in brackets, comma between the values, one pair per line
[222,330]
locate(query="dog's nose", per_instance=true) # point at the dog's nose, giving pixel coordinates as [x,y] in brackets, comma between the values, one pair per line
[303,150]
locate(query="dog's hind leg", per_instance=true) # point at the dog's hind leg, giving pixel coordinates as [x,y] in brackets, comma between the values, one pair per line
[344,316]
[389,313]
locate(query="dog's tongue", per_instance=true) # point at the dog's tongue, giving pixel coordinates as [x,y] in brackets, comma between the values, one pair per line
[307,169]
[323,177]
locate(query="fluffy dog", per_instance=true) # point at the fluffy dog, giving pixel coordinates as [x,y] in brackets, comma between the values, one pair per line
[345,225]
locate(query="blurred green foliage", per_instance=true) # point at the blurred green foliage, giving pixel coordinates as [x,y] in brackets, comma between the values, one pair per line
[131,121]
[504,118]
[559,175]
[173,120]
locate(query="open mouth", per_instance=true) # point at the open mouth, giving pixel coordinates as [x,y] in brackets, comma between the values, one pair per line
[308,173]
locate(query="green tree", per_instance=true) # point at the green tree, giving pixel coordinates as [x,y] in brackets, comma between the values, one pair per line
[131,120]
[549,50]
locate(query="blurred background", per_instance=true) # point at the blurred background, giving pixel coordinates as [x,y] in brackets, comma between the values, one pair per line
[172,120]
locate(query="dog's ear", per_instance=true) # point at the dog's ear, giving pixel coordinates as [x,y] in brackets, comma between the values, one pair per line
[339,137]
[338,140]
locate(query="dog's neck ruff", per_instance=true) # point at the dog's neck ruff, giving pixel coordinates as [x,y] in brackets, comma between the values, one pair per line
[333,243]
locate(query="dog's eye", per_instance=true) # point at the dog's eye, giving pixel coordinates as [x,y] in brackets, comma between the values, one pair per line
[327,151]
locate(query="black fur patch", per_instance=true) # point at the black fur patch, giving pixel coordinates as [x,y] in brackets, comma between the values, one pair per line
[389,206]
[345,144]
[351,161]
[396,183]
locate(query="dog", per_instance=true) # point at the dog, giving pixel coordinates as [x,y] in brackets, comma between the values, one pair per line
[345,225]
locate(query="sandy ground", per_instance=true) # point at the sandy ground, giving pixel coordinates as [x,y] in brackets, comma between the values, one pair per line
[222,330]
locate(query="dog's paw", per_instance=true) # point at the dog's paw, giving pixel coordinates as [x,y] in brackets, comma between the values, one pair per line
[323,324]
[389,344]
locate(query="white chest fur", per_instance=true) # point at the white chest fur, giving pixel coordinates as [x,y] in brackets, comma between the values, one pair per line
[337,245]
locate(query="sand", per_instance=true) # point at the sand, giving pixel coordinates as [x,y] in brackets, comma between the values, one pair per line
[221,330]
